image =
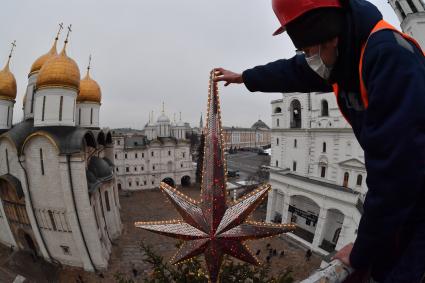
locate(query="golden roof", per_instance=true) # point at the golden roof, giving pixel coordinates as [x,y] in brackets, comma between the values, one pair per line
[59,71]
[89,90]
[36,66]
[7,83]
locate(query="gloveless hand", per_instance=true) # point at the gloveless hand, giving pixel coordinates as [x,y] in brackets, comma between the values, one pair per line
[227,76]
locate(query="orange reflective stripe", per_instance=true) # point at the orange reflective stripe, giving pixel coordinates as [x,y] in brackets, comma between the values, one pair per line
[336,89]
[381,25]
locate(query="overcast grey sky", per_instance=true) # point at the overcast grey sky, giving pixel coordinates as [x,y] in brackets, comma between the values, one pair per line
[149,51]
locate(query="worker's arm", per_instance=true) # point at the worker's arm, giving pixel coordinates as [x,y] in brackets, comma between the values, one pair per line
[286,75]
[393,139]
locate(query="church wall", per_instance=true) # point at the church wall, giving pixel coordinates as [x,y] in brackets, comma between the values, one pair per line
[6,236]
[87,119]
[113,227]
[49,193]
[52,107]
[99,255]
[29,95]
[6,113]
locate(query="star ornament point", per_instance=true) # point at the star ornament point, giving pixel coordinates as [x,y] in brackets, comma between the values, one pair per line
[211,227]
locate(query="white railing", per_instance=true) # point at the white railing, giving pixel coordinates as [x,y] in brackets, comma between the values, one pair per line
[335,272]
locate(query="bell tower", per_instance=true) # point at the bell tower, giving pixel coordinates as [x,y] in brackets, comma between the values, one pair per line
[411,14]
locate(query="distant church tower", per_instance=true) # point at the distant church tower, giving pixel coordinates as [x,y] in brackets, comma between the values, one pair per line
[411,14]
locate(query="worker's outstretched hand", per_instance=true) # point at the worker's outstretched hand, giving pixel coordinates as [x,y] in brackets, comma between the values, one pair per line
[344,254]
[227,76]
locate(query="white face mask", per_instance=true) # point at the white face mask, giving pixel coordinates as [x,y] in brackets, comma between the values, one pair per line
[317,65]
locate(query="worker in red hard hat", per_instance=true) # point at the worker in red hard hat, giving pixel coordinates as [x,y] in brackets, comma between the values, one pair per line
[378,76]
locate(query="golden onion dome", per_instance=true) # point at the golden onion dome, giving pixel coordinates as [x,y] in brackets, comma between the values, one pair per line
[38,64]
[89,90]
[7,83]
[59,71]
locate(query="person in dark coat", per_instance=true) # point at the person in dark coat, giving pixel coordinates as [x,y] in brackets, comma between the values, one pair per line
[308,255]
[386,112]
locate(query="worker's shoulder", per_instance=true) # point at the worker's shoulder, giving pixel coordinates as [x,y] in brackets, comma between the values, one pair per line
[390,41]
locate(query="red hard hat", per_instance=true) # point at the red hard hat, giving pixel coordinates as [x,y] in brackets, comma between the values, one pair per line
[288,10]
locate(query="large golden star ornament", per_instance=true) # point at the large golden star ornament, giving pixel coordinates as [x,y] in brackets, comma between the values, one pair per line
[211,226]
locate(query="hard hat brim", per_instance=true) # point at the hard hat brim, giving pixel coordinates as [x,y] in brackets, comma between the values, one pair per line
[279,31]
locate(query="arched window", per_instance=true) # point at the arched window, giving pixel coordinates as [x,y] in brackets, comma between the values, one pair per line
[346,177]
[295,143]
[108,207]
[323,171]
[8,114]
[41,161]
[325,108]
[277,110]
[324,147]
[277,122]
[43,109]
[295,112]
[294,166]
[277,163]
[359,180]
[60,108]
[277,141]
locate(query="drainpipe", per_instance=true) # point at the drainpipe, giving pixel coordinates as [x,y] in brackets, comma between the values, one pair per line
[33,211]
[68,160]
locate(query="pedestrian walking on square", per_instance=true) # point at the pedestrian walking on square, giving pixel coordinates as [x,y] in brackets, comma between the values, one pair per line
[378,76]
[308,255]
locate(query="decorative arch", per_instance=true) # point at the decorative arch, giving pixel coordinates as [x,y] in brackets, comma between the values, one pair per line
[333,208]
[304,195]
[90,139]
[8,139]
[101,139]
[108,138]
[169,181]
[40,134]
[277,110]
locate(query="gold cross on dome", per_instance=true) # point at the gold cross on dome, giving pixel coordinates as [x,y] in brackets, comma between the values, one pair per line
[67,34]
[59,31]
[13,47]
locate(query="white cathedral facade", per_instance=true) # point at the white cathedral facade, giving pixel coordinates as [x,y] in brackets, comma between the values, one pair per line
[317,167]
[161,154]
[59,198]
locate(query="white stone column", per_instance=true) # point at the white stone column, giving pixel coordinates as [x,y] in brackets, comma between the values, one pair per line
[271,200]
[285,210]
[344,237]
[320,228]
